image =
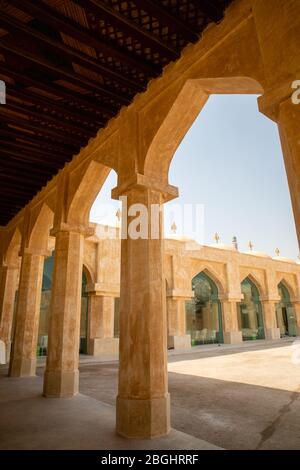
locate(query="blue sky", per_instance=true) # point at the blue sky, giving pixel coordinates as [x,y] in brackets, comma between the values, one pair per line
[230,163]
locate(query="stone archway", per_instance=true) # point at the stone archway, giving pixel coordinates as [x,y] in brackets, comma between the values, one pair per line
[9,277]
[250,314]
[204,311]
[285,313]
[183,112]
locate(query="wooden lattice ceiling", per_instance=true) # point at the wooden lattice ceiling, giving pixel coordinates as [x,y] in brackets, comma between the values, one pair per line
[69,66]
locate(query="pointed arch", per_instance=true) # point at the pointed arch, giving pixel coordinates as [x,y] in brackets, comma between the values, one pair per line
[187,105]
[12,252]
[87,184]
[40,229]
[288,287]
[257,284]
[87,271]
[214,276]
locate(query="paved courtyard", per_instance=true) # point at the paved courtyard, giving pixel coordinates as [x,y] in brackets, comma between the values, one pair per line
[245,397]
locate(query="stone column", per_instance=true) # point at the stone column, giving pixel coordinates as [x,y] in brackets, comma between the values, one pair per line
[296,306]
[143,403]
[231,332]
[289,128]
[23,356]
[101,341]
[177,337]
[61,375]
[270,321]
[278,34]
[230,301]
[8,288]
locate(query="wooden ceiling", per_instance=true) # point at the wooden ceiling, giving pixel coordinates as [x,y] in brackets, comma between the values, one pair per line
[69,66]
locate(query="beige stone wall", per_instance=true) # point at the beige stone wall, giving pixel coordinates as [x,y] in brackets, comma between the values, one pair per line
[184,259]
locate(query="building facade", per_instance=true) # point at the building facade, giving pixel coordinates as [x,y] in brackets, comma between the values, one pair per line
[214,294]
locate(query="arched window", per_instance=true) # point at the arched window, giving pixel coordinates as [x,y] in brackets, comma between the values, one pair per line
[285,314]
[42,343]
[250,312]
[203,313]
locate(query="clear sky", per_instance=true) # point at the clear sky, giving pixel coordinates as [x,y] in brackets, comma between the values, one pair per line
[230,164]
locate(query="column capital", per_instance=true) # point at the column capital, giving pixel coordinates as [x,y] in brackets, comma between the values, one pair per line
[182,294]
[269,103]
[33,251]
[103,289]
[9,266]
[86,231]
[143,182]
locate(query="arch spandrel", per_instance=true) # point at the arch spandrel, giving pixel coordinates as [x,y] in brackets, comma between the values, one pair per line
[184,110]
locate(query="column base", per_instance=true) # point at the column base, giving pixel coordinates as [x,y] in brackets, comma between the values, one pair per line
[104,347]
[2,352]
[143,419]
[22,367]
[232,337]
[179,342]
[59,384]
[272,333]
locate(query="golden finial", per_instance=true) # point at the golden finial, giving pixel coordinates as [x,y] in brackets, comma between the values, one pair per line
[250,245]
[277,252]
[174,227]
[217,237]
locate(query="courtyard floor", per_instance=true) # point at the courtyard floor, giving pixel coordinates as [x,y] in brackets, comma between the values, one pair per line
[231,397]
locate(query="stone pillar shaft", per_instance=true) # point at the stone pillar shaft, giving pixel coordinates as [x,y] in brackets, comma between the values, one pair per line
[176,316]
[288,123]
[143,399]
[23,357]
[278,35]
[177,337]
[231,331]
[270,321]
[296,306]
[8,288]
[61,375]
[101,316]
[101,341]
